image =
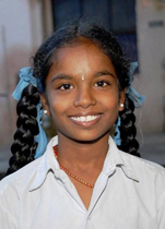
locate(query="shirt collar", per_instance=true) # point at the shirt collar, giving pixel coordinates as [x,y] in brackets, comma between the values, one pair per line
[48,163]
[116,159]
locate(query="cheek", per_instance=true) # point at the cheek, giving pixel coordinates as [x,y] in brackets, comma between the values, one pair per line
[111,102]
[57,106]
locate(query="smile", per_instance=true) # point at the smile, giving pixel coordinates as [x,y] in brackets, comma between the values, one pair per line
[87,118]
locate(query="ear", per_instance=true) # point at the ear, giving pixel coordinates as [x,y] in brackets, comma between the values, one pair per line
[122,99]
[45,103]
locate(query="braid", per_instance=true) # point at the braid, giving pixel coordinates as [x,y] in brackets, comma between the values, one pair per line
[128,130]
[24,146]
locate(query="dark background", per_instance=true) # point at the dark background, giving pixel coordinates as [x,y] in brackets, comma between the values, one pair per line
[117,15]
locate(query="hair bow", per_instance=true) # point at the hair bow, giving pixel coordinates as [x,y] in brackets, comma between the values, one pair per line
[137,98]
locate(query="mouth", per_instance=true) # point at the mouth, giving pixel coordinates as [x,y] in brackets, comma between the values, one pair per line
[87,118]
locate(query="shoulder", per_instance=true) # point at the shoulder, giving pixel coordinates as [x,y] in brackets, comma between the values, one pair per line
[138,161]
[23,178]
[144,169]
[149,185]
[19,177]
[13,187]
[139,166]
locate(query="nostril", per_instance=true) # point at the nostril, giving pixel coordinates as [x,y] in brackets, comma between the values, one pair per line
[85,100]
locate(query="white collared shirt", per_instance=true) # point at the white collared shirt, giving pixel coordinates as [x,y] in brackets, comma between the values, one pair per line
[128,194]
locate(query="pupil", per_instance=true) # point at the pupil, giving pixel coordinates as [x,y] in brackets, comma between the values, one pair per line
[100,83]
[67,86]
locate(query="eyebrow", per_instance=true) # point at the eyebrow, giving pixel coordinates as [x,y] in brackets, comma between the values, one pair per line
[67,77]
[61,77]
[104,73]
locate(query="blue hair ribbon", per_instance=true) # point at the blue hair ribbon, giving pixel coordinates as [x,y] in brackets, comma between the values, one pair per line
[137,99]
[26,78]
[117,131]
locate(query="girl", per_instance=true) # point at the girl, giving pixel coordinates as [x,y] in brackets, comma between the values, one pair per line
[83,180]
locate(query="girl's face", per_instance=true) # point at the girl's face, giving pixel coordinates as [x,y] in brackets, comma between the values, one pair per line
[82,93]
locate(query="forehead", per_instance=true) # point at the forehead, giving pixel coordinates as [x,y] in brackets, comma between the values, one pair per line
[81,58]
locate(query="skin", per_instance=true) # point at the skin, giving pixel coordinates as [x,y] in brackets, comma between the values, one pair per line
[82,145]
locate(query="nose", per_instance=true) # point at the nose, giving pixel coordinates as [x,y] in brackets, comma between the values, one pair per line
[85,98]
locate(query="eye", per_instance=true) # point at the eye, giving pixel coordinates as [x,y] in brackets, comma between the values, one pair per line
[102,83]
[65,87]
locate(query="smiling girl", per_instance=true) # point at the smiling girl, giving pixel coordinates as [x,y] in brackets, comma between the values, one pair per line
[82,179]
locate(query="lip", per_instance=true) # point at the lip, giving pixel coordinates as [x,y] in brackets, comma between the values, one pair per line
[86,123]
[85,114]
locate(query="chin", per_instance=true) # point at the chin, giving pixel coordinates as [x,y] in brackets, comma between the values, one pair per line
[88,138]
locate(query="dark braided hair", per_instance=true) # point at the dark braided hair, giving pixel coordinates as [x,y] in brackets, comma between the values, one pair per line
[24,146]
[127,129]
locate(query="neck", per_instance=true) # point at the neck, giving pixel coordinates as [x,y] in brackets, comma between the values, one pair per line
[82,154]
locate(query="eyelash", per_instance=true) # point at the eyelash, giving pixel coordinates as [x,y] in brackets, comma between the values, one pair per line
[104,83]
[64,87]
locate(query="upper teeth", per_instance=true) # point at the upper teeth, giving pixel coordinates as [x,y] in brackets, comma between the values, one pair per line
[85,118]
